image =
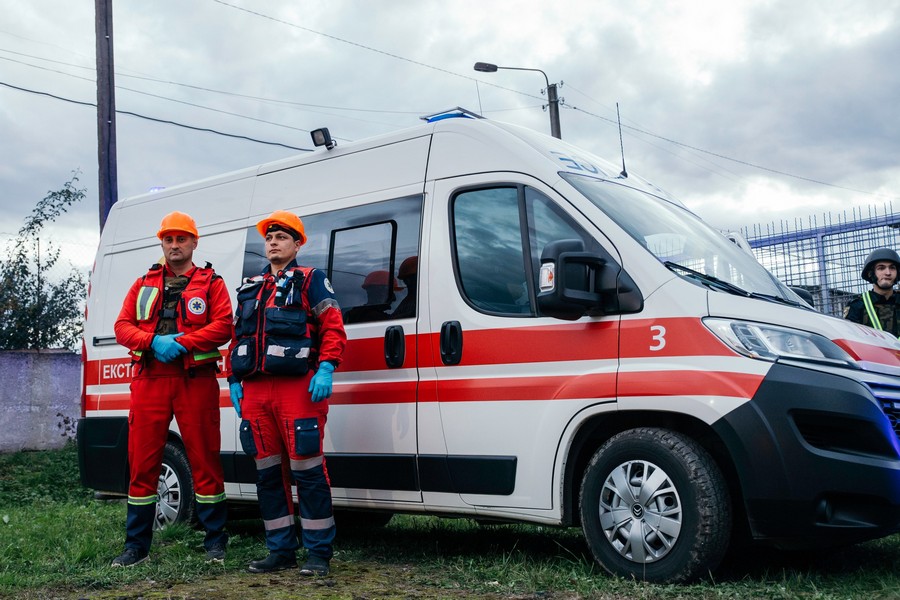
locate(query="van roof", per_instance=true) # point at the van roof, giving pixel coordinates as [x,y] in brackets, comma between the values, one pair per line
[523,146]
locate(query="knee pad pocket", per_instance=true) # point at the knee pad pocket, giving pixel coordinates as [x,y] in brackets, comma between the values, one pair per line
[306,436]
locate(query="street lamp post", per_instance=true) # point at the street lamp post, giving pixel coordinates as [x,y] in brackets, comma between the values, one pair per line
[552,93]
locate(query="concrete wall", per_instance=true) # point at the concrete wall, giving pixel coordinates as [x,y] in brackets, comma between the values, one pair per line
[40,399]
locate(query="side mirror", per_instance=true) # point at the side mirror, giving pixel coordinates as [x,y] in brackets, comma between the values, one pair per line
[569,280]
[574,283]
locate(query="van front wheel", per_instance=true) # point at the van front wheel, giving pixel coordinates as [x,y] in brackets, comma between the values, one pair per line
[175,500]
[655,507]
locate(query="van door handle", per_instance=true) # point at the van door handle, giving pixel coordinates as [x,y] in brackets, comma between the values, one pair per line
[394,346]
[451,342]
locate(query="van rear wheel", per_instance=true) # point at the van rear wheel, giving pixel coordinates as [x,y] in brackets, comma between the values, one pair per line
[654,506]
[175,491]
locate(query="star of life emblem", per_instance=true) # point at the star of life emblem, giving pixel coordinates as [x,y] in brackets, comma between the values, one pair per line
[197,306]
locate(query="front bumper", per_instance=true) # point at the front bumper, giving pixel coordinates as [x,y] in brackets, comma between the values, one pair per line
[817,456]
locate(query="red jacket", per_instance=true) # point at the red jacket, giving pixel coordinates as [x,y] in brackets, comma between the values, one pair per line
[203,315]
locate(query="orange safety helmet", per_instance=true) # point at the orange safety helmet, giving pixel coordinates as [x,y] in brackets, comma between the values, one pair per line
[177,221]
[408,267]
[285,219]
[379,278]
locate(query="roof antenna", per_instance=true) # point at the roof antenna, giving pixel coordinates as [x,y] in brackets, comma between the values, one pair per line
[624,173]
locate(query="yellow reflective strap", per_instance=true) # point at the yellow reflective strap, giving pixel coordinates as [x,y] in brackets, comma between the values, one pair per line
[870,308]
[198,356]
[145,298]
[201,499]
[141,500]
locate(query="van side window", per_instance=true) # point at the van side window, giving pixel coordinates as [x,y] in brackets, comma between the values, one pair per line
[361,271]
[489,251]
[370,254]
[493,229]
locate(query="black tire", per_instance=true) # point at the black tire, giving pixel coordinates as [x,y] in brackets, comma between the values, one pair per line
[175,503]
[684,511]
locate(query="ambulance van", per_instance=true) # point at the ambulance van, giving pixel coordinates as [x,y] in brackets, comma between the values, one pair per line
[533,337]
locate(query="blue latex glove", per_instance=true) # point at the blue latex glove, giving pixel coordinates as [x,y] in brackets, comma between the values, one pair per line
[320,384]
[237,394]
[166,348]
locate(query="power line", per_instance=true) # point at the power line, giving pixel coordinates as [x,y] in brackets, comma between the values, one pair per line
[735,160]
[200,106]
[418,63]
[157,120]
[369,48]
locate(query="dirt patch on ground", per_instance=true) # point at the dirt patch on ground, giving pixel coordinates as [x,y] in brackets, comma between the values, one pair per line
[351,580]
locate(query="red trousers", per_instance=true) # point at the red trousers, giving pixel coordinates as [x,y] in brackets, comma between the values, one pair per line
[158,393]
[283,431]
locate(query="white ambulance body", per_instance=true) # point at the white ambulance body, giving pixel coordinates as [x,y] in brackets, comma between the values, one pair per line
[583,351]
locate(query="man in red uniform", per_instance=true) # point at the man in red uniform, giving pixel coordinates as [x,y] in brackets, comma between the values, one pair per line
[289,337]
[173,321]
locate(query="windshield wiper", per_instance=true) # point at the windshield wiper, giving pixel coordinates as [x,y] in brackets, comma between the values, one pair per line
[780,300]
[721,284]
[709,280]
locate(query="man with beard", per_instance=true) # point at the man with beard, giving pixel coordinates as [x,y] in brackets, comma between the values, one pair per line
[877,308]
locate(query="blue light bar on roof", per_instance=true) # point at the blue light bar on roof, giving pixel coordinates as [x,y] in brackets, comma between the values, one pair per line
[451,113]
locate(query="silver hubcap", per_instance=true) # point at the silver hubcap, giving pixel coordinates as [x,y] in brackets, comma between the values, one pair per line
[169,498]
[640,511]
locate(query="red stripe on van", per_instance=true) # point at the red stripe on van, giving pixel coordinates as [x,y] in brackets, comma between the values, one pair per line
[688,383]
[494,389]
[395,392]
[367,354]
[118,401]
[681,336]
[544,343]
[869,353]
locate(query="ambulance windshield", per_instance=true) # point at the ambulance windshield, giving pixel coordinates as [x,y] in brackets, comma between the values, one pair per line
[680,240]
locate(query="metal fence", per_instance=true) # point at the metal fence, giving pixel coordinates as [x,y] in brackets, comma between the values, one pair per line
[825,258]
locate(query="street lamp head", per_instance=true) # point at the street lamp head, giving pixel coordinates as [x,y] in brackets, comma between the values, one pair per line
[485,67]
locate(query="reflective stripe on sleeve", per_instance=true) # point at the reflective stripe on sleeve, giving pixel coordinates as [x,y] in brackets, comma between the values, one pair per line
[324,305]
[145,298]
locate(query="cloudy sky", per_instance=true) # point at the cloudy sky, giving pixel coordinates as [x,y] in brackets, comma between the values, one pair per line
[749,112]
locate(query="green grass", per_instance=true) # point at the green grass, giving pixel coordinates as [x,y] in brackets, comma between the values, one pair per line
[57,541]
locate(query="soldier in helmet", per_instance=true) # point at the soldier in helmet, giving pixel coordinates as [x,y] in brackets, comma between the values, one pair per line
[878,307]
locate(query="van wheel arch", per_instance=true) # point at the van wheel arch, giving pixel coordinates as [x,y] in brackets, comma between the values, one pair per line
[595,432]
[655,507]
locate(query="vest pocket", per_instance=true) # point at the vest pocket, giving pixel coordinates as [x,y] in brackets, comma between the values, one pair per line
[245,323]
[243,358]
[282,322]
[306,436]
[285,356]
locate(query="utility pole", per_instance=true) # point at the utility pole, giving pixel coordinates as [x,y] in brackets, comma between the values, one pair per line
[106,109]
[553,100]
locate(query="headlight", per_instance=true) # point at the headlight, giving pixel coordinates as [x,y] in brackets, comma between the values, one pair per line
[770,342]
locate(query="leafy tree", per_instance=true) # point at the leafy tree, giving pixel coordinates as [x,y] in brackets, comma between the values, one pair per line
[36,313]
